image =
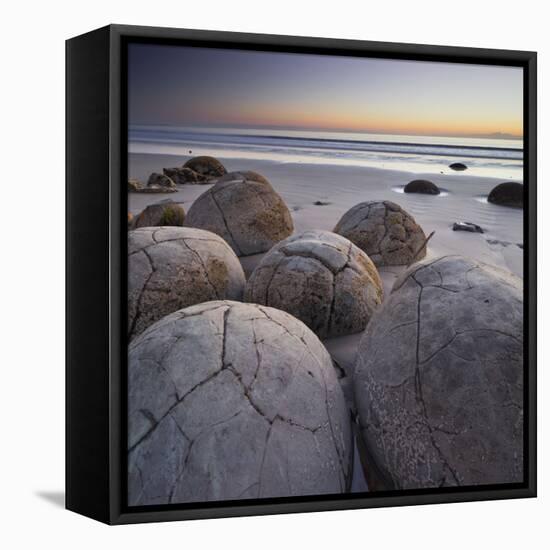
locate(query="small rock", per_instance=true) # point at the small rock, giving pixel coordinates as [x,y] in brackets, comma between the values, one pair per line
[134,185]
[165,213]
[130,220]
[509,193]
[321,203]
[458,166]
[422,186]
[160,180]
[467,226]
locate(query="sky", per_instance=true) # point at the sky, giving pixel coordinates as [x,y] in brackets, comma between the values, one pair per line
[197,87]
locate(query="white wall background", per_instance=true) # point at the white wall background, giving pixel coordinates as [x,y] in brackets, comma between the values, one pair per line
[32,271]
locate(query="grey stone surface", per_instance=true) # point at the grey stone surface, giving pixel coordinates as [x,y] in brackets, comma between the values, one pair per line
[174,267]
[160,180]
[386,232]
[208,167]
[247,213]
[231,401]
[439,378]
[164,213]
[322,279]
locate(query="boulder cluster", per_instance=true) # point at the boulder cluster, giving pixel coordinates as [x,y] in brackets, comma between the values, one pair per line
[232,394]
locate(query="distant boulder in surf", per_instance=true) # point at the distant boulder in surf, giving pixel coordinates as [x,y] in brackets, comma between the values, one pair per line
[467,226]
[181,176]
[208,167]
[250,215]
[160,180]
[458,166]
[509,193]
[134,185]
[386,232]
[424,187]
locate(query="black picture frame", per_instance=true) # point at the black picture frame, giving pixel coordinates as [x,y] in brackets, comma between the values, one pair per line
[96,346]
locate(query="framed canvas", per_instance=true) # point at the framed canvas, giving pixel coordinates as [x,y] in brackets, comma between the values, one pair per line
[301,274]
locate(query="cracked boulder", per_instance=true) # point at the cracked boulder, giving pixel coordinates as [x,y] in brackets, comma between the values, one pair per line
[439,379]
[386,232]
[164,213]
[206,167]
[157,180]
[247,213]
[232,401]
[174,267]
[322,279]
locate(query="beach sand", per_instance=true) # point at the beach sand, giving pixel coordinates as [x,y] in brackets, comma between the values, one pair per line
[463,198]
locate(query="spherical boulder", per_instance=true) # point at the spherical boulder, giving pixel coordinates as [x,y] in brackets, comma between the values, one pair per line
[160,180]
[164,213]
[232,401]
[422,186]
[439,379]
[508,193]
[247,213]
[245,175]
[208,167]
[386,232]
[458,166]
[174,267]
[322,279]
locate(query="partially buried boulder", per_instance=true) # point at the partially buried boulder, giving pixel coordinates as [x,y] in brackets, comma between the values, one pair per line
[160,180]
[208,167]
[134,185]
[507,194]
[387,233]
[247,213]
[234,401]
[439,379]
[422,186]
[322,279]
[458,166]
[174,267]
[164,213]
[182,176]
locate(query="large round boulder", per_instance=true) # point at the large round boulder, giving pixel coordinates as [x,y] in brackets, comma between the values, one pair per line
[245,175]
[231,401]
[207,167]
[247,213]
[509,193]
[439,379]
[174,267]
[386,232]
[164,213]
[322,279]
[424,187]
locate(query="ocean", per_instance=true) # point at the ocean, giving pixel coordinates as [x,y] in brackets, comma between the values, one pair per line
[487,157]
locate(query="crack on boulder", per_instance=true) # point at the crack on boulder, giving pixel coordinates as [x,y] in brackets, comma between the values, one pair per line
[215,201]
[205,270]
